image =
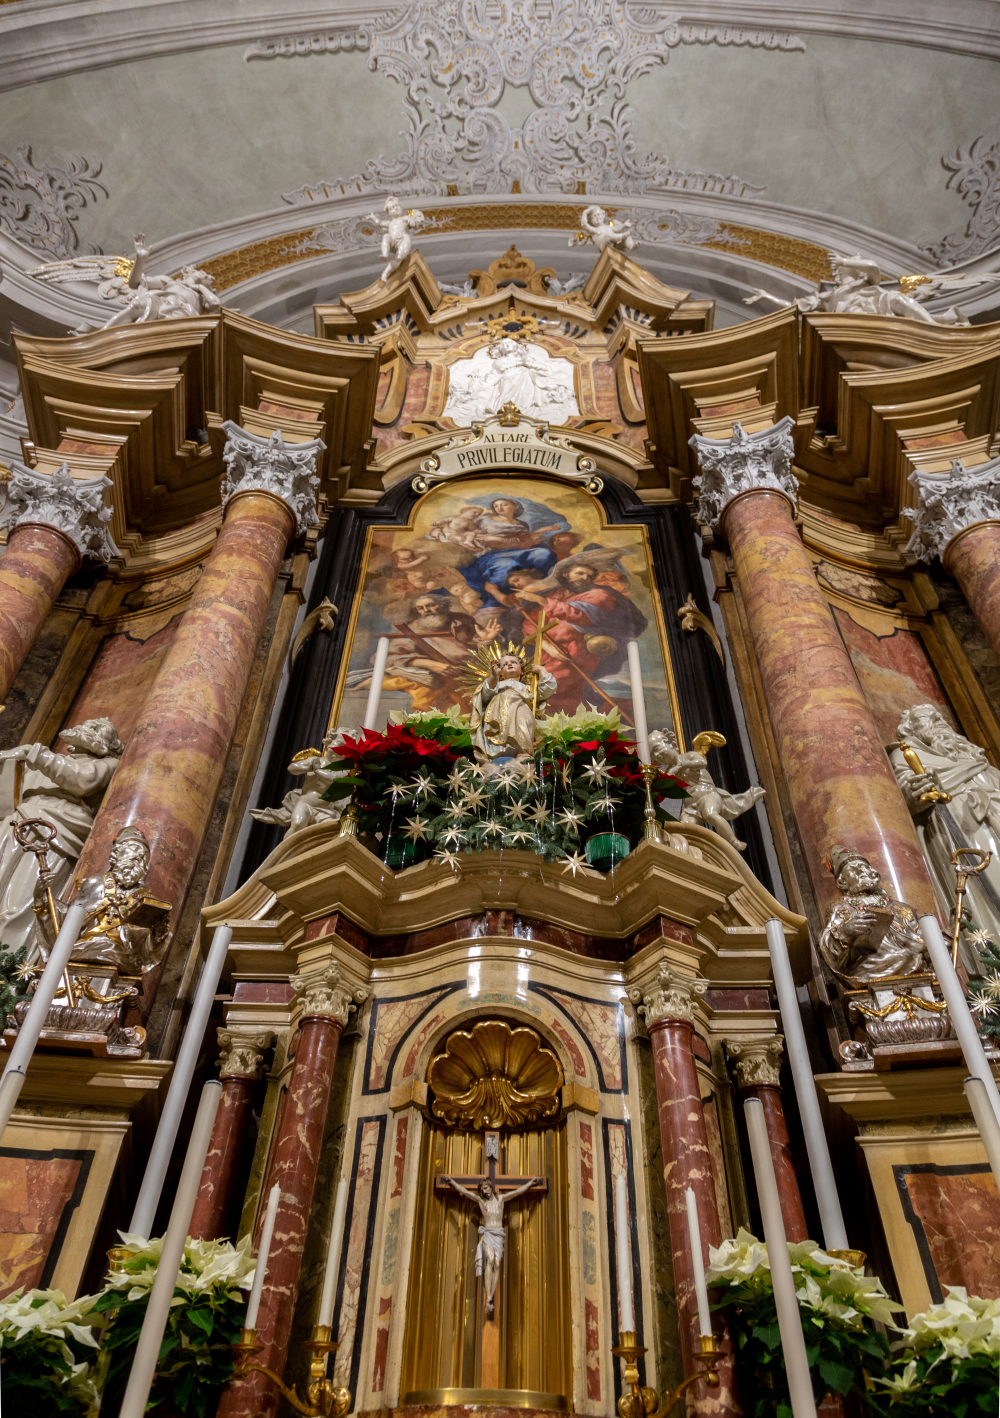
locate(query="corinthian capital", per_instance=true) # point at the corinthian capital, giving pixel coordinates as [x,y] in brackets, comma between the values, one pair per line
[947,503]
[286,470]
[242,1051]
[758,1061]
[670,996]
[326,992]
[77,507]
[741,463]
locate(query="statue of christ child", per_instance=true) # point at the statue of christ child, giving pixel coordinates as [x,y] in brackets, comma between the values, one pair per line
[502,722]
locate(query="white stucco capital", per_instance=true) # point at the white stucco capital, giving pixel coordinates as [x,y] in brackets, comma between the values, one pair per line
[242,1051]
[327,992]
[77,507]
[670,995]
[741,463]
[758,1061]
[948,503]
[286,470]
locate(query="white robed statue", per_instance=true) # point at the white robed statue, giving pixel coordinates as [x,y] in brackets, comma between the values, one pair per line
[489,1252]
[503,707]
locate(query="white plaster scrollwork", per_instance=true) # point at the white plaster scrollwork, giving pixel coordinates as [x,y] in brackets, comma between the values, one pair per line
[948,504]
[455,62]
[740,463]
[39,205]
[758,1061]
[287,470]
[975,176]
[326,992]
[77,507]
[670,996]
[242,1051]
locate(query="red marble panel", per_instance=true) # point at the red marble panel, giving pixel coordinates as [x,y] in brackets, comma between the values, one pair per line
[593,1349]
[381,1343]
[958,1214]
[586,1162]
[263,992]
[579,1067]
[894,671]
[660,927]
[33,1194]
[738,999]
[598,1023]
[399,1157]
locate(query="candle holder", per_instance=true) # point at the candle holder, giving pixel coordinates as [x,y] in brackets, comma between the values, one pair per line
[323,1400]
[650,828]
[349,822]
[641,1402]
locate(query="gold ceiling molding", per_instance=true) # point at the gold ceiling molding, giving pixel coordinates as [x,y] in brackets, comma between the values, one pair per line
[493,1076]
[787,253]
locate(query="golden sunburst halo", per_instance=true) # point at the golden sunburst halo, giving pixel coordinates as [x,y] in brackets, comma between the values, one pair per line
[478,668]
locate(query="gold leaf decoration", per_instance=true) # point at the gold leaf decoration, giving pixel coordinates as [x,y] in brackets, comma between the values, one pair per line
[493,1076]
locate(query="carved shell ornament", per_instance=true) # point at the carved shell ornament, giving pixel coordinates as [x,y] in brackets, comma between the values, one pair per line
[493,1076]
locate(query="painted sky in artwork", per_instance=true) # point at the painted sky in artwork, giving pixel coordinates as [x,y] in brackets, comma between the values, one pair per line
[482,558]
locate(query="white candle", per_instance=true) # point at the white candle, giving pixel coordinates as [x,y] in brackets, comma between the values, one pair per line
[638,701]
[623,1247]
[263,1251]
[793,1344]
[38,1011]
[378,675]
[333,1255]
[180,1084]
[961,1017]
[698,1264]
[989,1128]
[827,1196]
[140,1379]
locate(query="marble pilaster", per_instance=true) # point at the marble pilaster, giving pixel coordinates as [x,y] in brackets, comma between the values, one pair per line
[668,1003]
[243,1052]
[840,783]
[173,763]
[758,1075]
[958,519]
[325,1002]
[54,520]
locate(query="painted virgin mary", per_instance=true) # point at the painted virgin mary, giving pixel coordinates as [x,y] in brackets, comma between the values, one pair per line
[502,723]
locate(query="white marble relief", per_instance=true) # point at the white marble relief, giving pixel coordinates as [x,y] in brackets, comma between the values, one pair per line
[509,372]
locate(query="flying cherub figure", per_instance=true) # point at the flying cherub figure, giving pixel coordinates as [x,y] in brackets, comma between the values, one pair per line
[397,242]
[705,803]
[857,288]
[599,228]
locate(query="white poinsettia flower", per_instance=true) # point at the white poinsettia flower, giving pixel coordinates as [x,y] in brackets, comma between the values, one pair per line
[961,1324]
[736,1260]
[902,1383]
[47,1312]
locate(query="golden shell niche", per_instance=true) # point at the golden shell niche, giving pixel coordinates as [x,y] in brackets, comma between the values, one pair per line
[493,1076]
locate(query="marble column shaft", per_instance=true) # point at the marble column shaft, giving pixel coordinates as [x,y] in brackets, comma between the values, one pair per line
[841,785]
[223,1161]
[33,570]
[687,1163]
[294,1165]
[792,1211]
[973,558]
[173,764]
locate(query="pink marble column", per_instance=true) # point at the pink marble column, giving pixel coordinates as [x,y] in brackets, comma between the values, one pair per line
[973,558]
[758,1065]
[240,1066]
[294,1164]
[669,1009]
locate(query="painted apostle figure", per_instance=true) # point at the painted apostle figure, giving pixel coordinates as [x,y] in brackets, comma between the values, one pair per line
[489,1252]
[502,723]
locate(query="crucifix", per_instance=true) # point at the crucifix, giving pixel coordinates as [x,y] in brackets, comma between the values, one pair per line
[491,1192]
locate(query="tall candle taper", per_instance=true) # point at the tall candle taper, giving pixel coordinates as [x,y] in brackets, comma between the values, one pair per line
[793,1344]
[333,1255]
[638,701]
[958,1008]
[378,675]
[698,1264]
[147,1351]
[263,1251]
[827,1196]
[623,1249]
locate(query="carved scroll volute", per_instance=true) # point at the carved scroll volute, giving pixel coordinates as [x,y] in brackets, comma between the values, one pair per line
[493,1076]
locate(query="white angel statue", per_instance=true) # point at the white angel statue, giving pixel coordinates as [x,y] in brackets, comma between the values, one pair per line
[857,288]
[706,802]
[397,243]
[599,228]
[305,806]
[142,298]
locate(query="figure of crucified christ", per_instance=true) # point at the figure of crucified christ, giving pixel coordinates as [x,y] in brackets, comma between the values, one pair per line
[489,1252]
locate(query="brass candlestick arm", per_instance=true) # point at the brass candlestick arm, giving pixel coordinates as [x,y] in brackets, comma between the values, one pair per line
[323,1400]
[651,828]
[641,1402]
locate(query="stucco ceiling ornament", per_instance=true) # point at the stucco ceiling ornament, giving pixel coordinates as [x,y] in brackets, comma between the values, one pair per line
[738,464]
[455,61]
[77,507]
[39,205]
[286,470]
[493,1076]
[950,502]
[975,176]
